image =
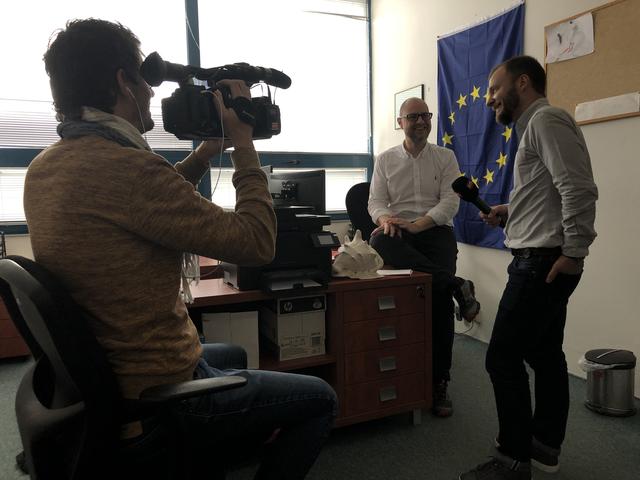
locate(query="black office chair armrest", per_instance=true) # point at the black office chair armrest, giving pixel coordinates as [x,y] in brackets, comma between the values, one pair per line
[193,388]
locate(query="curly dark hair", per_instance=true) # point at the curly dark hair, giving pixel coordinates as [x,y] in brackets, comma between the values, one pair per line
[526,65]
[82,61]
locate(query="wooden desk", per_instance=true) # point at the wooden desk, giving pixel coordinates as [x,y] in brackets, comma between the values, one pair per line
[11,343]
[378,342]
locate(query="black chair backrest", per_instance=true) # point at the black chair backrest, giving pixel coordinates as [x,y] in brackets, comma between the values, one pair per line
[356,201]
[68,406]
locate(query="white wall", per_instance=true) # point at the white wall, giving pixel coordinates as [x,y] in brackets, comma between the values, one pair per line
[604,310]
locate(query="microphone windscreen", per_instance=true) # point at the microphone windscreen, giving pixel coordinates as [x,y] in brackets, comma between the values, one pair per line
[153,69]
[465,188]
[277,78]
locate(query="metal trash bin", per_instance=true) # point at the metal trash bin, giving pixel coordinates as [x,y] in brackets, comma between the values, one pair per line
[610,381]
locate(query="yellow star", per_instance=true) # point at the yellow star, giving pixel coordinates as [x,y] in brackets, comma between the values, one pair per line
[489,176]
[507,133]
[486,96]
[475,180]
[502,160]
[476,93]
[462,101]
[452,117]
[446,140]
[462,174]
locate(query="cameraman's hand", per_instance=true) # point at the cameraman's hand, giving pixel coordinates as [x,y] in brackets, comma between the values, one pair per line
[241,133]
[211,148]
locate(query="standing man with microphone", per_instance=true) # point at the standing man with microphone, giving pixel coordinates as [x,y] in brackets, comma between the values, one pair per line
[413,205]
[549,228]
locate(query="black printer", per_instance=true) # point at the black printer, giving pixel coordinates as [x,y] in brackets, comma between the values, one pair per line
[303,255]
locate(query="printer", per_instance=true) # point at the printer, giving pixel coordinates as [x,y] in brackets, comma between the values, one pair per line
[302,259]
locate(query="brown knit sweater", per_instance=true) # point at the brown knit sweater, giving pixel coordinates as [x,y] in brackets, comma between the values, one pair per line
[112,222]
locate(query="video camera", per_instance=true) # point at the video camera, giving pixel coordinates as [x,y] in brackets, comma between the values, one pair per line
[189,113]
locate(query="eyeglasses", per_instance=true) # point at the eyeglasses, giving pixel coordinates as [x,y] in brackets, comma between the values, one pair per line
[412,117]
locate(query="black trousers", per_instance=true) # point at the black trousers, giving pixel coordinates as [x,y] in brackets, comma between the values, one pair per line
[432,251]
[529,327]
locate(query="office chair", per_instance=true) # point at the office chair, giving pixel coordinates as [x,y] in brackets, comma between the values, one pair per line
[356,201]
[68,405]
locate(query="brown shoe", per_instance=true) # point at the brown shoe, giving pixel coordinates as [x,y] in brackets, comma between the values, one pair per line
[442,405]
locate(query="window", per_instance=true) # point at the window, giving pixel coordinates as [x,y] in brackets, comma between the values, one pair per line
[27,117]
[325,110]
[26,112]
[11,187]
[321,44]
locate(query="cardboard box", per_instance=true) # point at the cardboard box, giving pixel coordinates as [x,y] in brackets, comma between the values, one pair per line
[237,328]
[293,335]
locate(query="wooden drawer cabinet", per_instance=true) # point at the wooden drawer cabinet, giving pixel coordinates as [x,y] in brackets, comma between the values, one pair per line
[383,302]
[11,343]
[387,349]
[384,394]
[384,363]
[385,332]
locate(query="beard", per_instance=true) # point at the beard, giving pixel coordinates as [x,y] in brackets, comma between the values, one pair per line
[510,103]
[419,136]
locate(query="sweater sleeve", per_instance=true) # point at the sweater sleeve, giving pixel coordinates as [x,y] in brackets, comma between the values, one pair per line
[165,209]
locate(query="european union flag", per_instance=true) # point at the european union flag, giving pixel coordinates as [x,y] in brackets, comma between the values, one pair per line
[485,149]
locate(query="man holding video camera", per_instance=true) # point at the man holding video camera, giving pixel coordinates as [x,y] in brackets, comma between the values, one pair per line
[111,220]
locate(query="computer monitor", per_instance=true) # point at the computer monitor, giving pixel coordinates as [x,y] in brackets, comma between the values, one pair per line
[299,188]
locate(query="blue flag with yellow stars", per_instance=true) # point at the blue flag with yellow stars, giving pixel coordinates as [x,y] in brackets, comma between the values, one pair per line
[485,149]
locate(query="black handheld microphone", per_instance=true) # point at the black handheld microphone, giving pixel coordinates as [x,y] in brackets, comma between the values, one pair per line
[468,191]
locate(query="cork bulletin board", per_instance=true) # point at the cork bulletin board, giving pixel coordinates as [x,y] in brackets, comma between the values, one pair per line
[612,69]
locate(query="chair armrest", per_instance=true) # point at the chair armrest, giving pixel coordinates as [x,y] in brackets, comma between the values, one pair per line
[193,388]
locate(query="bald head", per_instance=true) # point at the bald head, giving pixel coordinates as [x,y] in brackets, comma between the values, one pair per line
[415,121]
[413,102]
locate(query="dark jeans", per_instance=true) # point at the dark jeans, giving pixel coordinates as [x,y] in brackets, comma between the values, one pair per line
[432,251]
[234,424]
[529,327]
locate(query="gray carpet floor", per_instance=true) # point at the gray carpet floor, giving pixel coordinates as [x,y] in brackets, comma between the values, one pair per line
[597,447]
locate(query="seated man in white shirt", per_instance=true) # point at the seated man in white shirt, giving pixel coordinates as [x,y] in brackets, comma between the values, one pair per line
[413,204]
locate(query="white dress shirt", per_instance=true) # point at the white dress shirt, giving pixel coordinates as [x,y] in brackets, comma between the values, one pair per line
[410,188]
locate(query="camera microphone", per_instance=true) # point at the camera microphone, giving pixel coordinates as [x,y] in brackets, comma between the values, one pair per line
[155,70]
[249,73]
[468,191]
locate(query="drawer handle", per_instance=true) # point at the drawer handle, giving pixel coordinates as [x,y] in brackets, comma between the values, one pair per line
[386,303]
[388,393]
[387,333]
[387,364]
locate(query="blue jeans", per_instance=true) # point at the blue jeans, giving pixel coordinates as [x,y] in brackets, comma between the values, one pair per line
[231,425]
[529,327]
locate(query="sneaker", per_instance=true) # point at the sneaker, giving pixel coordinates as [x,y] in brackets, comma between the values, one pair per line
[442,405]
[499,468]
[543,457]
[465,296]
